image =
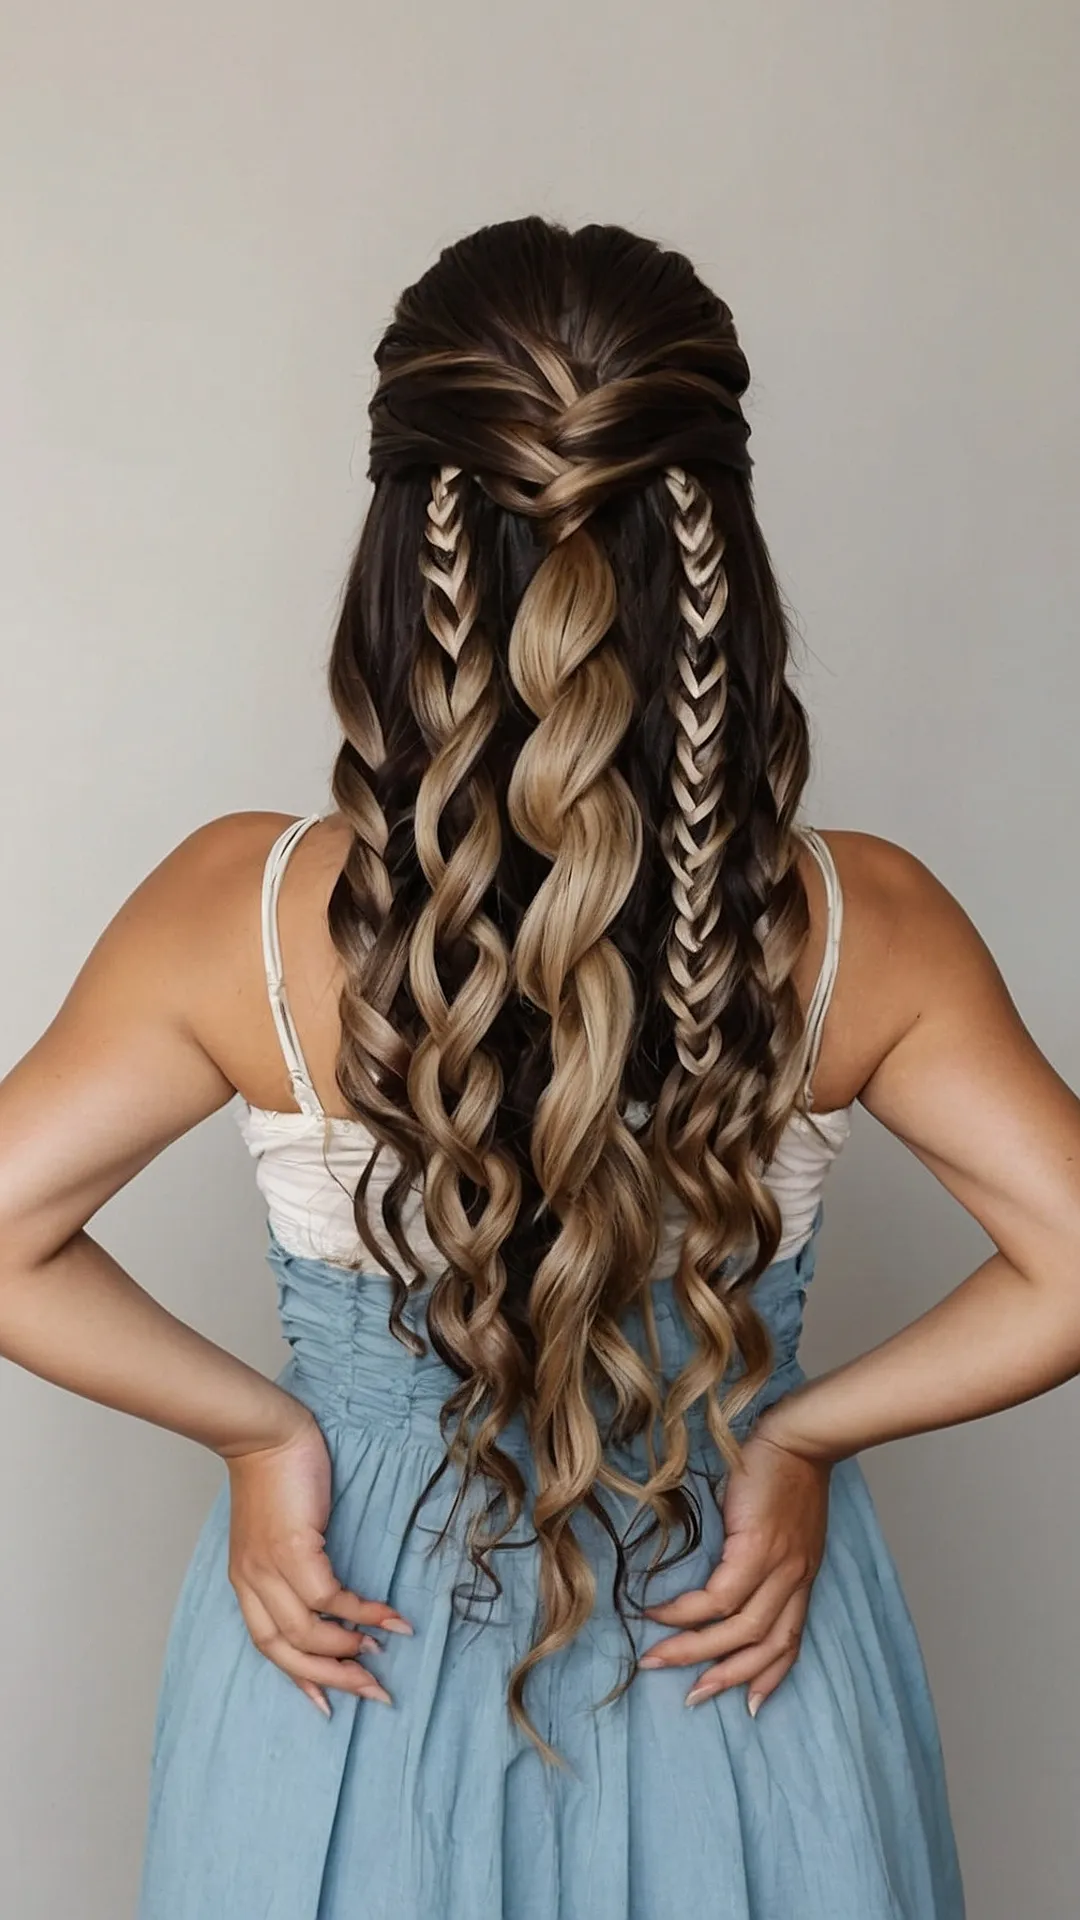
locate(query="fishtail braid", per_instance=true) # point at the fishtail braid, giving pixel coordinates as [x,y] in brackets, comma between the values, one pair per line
[471,1188]
[698,827]
[705,1118]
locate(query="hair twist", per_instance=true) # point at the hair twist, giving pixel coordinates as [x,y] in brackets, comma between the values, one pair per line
[373,1067]
[568,800]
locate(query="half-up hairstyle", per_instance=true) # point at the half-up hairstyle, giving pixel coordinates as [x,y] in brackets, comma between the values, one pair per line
[572,764]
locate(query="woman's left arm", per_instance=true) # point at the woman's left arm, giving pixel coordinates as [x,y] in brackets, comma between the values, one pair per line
[962,1083]
[965,1087]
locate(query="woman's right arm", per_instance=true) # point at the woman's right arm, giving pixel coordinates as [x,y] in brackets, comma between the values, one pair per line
[118,1075]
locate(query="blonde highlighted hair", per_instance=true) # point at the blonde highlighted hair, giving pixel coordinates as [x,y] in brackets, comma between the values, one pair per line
[572,763]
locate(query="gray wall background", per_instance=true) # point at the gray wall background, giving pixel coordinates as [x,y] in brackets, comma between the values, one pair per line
[208,211]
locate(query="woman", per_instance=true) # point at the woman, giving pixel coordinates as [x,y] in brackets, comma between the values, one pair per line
[529,1043]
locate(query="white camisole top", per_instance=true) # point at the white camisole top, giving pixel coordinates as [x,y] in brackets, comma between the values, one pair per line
[308,1163]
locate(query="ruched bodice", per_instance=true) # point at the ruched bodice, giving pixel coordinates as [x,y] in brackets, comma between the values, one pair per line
[350,1369]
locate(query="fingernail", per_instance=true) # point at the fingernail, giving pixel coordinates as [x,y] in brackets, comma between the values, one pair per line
[754,1702]
[651,1660]
[696,1695]
[376,1693]
[396,1625]
[369,1644]
[323,1706]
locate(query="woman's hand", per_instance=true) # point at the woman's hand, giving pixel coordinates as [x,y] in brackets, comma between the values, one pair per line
[748,1618]
[282,1578]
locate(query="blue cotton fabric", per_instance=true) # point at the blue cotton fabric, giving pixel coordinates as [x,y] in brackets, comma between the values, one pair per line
[831,1805]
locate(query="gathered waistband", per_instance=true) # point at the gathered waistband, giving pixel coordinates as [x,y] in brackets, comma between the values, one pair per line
[349,1367]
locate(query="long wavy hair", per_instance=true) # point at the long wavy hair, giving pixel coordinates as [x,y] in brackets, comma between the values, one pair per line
[571,908]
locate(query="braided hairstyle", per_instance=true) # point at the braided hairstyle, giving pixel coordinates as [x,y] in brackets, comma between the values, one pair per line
[572,763]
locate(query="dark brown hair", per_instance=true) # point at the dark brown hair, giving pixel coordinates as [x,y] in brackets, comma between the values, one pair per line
[571,909]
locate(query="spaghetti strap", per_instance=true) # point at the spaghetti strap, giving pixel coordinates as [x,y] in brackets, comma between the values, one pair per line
[276,861]
[826,980]
[300,1078]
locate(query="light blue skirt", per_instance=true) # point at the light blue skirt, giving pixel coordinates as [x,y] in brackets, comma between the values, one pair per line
[830,1805]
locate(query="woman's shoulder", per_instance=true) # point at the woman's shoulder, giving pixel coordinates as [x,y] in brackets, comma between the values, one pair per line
[892,888]
[199,904]
[219,862]
[908,945]
[218,847]
[872,860]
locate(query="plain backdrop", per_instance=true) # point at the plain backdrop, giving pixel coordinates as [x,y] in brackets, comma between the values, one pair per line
[208,211]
